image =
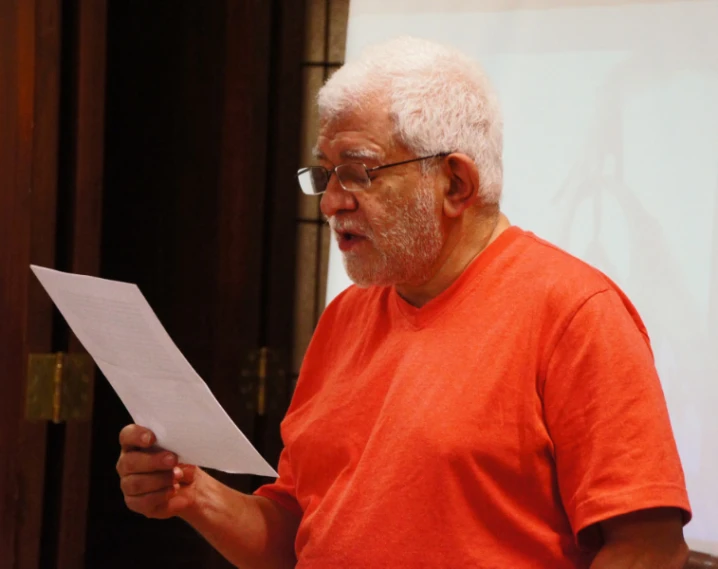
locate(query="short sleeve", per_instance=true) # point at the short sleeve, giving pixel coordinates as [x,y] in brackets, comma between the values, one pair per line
[606,414]
[282,489]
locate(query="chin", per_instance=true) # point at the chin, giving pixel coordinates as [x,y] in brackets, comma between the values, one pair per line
[365,281]
[365,275]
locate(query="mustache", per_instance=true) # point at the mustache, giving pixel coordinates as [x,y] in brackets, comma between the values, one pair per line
[348,226]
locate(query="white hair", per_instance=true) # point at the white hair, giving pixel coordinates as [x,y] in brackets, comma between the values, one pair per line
[440,100]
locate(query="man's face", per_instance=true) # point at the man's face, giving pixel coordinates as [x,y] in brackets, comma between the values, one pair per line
[390,233]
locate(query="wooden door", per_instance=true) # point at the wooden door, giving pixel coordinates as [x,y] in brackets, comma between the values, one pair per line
[51,140]
[197,107]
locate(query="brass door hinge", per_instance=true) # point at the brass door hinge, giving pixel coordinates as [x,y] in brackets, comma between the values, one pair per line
[59,387]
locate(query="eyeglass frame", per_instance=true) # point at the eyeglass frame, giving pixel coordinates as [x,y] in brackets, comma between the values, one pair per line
[367,170]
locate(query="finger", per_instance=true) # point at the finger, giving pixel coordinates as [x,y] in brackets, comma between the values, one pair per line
[134,436]
[189,472]
[153,504]
[140,484]
[145,461]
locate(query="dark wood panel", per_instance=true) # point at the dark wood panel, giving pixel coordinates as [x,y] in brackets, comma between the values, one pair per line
[45,159]
[30,438]
[19,521]
[33,437]
[241,194]
[87,177]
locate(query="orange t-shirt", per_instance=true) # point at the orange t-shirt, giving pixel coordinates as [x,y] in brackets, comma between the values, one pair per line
[485,429]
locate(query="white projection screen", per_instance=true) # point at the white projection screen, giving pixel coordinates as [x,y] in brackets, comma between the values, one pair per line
[611,152]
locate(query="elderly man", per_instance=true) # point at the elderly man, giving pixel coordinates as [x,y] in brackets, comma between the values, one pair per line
[480,399]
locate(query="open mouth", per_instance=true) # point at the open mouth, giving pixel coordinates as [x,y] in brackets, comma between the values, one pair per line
[348,240]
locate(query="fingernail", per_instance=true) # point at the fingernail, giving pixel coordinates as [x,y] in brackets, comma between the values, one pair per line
[177,471]
[169,460]
[146,438]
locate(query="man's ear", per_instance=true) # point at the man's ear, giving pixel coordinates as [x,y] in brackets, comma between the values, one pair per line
[463,188]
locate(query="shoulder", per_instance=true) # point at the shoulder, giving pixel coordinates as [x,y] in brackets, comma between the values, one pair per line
[554,286]
[554,270]
[561,282]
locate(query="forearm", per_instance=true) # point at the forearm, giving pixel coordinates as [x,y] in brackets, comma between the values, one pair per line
[252,532]
[628,556]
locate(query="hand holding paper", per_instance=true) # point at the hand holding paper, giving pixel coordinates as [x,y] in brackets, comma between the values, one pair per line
[153,379]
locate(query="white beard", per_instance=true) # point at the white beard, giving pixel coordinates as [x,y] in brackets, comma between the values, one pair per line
[407,238]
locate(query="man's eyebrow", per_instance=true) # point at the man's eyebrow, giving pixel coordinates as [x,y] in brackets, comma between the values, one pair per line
[360,153]
[350,154]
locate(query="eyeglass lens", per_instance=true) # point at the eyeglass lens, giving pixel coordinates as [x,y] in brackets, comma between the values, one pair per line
[352,177]
[312,180]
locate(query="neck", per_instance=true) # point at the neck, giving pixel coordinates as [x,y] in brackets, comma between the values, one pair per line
[463,244]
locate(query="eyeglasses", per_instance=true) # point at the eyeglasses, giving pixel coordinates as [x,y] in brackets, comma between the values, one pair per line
[353,176]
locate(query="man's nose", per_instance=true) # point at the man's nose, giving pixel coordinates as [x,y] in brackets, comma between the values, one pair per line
[336,199]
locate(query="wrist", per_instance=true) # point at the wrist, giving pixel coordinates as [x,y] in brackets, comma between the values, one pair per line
[213,505]
[199,508]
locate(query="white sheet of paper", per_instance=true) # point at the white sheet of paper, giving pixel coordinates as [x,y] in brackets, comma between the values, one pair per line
[156,383]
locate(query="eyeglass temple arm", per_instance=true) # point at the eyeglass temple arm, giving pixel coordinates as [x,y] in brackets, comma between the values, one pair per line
[375,168]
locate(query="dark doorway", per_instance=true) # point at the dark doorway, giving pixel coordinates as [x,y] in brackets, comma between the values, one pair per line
[202,130]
